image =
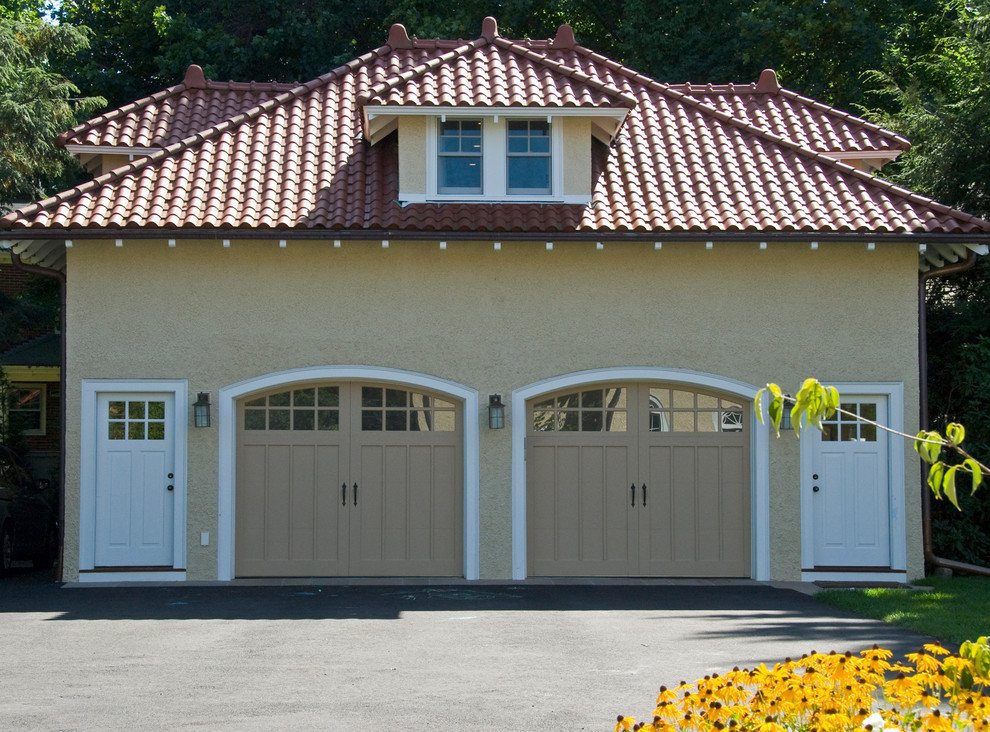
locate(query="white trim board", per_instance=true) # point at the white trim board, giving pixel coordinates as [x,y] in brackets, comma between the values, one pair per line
[759,446]
[91,389]
[228,437]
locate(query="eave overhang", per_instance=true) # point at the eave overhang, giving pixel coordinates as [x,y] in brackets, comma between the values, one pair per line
[380,120]
[934,250]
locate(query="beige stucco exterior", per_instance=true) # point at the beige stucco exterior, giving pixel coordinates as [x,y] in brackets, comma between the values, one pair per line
[493,321]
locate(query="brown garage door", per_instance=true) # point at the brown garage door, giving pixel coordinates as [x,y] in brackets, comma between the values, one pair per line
[638,480]
[349,479]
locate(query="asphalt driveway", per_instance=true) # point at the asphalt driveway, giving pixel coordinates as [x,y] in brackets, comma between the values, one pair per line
[459,657]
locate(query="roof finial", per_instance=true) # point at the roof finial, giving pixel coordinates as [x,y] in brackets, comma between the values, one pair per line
[768,83]
[195,79]
[564,38]
[489,28]
[398,37]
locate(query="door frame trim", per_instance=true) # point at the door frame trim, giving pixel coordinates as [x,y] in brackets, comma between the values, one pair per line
[227,427]
[759,451]
[894,393]
[91,389]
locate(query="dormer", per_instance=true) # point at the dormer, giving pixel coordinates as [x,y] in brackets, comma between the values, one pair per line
[493,121]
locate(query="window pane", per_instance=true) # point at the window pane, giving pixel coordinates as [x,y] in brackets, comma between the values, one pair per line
[830,432]
[156,410]
[683,399]
[568,422]
[868,411]
[591,421]
[444,421]
[683,421]
[529,174]
[867,433]
[156,430]
[255,402]
[461,174]
[304,397]
[849,432]
[543,404]
[707,421]
[396,420]
[303,419]
[420,420]
[371,396]
[543,421]
[329,396]
[116,410]
[568,401]
[615,398]
[278,419]
[396,398]
[135,410]
[135,430]
[329,420]
[279,400]
[707,402]
[116,431]
[254,419]
[615,421]
[592,399]
[371,421]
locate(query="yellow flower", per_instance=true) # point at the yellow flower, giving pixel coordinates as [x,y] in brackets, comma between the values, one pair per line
[625,723]
[936,721]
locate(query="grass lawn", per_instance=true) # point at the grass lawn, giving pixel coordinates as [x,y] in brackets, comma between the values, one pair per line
[958,609]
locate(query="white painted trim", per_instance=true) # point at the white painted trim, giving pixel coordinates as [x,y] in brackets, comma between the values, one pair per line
[132,152]
[878,577]
[87,578]
[894,393]
[228,439]
[576,199]
[91,389]
[759,446]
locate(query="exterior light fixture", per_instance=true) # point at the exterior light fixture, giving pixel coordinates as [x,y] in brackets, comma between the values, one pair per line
[785,417]
[201,409]
[496,412]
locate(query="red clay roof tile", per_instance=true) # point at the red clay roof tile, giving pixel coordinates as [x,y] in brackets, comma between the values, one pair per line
[746,158]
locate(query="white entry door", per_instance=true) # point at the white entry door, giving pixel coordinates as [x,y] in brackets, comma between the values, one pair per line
[135,480]
[850,488]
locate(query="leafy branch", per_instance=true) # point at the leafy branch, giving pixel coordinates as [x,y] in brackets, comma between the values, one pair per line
[815,402]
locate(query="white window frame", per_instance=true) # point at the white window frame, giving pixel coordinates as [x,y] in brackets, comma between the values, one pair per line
[43,388]
[494,158]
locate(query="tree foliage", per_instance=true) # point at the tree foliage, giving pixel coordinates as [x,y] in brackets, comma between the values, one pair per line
[36,104]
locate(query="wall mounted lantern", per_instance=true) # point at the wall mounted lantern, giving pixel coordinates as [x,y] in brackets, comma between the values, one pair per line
[496,412]
[785,417]
[201,409]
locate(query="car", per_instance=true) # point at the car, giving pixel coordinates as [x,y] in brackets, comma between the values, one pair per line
[28,526]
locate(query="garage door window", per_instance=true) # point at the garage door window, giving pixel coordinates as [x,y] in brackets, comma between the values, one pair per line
[677,410]
[313,408]
[592,410]
[398,410]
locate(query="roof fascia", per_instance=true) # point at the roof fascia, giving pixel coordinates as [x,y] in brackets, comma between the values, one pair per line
[110,150]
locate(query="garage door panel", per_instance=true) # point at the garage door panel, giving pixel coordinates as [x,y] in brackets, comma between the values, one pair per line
[446,509]
[710,518]
[615,502]
[735,496]
[278,471]
[657,545]
[331,535]
[567,513]
[685,511]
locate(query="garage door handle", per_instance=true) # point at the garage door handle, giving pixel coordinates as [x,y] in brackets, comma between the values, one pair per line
[632,490]
[343,494]
[355,494]
[644,494]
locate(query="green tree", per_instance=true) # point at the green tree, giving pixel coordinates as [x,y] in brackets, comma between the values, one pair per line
[36,104]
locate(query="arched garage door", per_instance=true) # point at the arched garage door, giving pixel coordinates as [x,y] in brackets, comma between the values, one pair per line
[349,479]
[638,480]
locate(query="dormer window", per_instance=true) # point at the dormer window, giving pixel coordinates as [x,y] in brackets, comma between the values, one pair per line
[459,159]
[494,157]
[528,157]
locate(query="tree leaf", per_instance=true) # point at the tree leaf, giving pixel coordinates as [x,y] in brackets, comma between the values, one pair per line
[955,433]
[935,474]
[949,485]
[974,468]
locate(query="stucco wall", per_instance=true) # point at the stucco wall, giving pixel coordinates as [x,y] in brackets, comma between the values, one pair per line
[493,321]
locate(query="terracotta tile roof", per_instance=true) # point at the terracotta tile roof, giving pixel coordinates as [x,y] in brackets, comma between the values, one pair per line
[682,162]
[807,122]
[173,114]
